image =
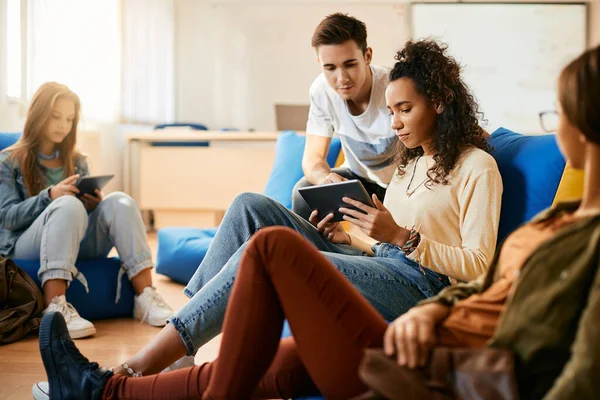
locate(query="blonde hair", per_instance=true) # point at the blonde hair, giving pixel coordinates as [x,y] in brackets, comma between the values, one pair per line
[25,151]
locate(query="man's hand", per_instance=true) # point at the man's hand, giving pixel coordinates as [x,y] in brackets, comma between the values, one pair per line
[412,335]
[332,178]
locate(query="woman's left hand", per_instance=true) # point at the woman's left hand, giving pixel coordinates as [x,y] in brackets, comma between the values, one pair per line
[377,222]
[91,202]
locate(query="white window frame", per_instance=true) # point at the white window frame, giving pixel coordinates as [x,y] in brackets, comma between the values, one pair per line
[22,99]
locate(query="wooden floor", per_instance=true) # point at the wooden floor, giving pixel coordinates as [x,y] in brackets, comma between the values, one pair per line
[115,341]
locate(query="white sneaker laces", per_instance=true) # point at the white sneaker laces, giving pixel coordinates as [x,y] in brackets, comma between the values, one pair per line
[67,310]
[155,299]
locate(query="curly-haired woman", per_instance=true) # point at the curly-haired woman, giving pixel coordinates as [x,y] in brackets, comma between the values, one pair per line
[439,220]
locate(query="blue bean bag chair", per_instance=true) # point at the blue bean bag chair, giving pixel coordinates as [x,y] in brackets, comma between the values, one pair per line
[531,169]
[101,275]
[180,250]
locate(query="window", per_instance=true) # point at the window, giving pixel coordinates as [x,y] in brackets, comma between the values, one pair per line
[77,43]
[13,49]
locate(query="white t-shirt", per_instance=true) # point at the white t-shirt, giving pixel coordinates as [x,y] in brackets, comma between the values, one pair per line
[368,141]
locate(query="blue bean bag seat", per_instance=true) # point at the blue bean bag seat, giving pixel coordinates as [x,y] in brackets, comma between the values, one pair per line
[180,250]
[101,275]
[531,168]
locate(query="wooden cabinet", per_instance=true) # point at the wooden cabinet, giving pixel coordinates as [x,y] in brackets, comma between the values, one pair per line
[189,178]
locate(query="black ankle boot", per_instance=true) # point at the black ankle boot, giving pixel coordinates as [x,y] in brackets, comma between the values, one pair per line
[70,374]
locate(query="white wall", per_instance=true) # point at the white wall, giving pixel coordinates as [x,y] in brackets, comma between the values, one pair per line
[216,83]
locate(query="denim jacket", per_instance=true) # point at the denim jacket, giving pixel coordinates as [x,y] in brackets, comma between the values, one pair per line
[18,210]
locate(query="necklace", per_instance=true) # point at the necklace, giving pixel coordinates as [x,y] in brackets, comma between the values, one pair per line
[50,157]
[409,192]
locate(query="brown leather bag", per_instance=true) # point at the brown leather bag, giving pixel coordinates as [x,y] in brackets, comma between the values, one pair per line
[462,374]
[21,302]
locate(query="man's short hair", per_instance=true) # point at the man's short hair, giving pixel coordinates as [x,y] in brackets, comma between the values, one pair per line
[339,28]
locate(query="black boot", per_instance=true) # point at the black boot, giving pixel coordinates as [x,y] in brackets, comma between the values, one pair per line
[70,374]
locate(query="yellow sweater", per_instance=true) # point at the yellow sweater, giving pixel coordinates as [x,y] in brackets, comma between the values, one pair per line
[458,222]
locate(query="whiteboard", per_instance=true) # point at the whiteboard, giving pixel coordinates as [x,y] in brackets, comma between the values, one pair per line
[511,53]
[265,56]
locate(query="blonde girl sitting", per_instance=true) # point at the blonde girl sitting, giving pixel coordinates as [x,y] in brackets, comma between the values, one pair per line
[42,219]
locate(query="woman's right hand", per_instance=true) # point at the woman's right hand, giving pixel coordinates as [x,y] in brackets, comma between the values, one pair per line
[412,335]
[332,231]
[65,188]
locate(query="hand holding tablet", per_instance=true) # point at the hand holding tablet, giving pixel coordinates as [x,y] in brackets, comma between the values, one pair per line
[89,184]
[328,198]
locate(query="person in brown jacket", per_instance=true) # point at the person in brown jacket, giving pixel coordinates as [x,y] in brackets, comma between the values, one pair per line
[540,300]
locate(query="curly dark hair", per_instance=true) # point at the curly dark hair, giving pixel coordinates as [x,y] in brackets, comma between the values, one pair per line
[436,75]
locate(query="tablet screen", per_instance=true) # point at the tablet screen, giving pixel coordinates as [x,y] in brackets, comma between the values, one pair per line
[88,184]
[328,198]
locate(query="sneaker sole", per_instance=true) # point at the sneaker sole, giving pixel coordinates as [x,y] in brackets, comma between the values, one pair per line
[47,357]
[81,333]
[38,393]
[158,322]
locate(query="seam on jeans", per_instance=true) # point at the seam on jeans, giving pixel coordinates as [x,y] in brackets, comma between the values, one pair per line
[135,261]
[384,277]
[208,303]
[184,334]
[44,244]
[426,289]
[132,272]
[58,265]
[100,221]
[55,274]
[257,227]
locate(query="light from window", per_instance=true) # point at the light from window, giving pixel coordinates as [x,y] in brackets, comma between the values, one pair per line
[13,46]
[77,43]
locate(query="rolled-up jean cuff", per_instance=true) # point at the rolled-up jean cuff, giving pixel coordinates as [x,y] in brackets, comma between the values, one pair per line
[137,268]
[56,273]
[186,338]
[188,292]
[133,261]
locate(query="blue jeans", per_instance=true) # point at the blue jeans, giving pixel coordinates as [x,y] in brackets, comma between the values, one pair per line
[65,232]
[389,280]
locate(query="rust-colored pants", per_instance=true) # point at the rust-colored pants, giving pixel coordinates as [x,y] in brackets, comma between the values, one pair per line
[281,276]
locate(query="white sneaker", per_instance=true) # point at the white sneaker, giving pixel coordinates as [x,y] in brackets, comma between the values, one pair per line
[151,308]
[40,391]
[78,327]
[183,362]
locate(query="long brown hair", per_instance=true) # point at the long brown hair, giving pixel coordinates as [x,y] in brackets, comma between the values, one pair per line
[437,76]
[25,151]
[579,93]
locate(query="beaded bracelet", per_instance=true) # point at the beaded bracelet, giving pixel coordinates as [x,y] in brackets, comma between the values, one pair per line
[414,238]
[130,371]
